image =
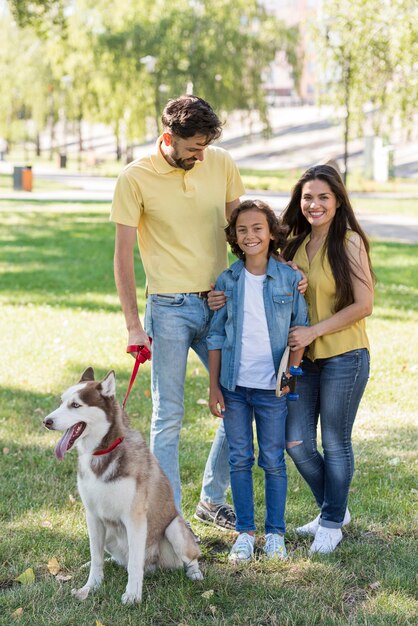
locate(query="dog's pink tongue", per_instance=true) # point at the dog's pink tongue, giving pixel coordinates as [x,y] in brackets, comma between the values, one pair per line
[62,446]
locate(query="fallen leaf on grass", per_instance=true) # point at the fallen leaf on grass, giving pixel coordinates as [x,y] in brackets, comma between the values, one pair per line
[18,613]
[195,372]
[46,524]
[99,623]
[208,594]
[201,401]
[147,393]
[212,609]
[63,577]
[6,450]
[375,585]
[27,578]
[53,566]
[71,499]
[39,411]
[395,461]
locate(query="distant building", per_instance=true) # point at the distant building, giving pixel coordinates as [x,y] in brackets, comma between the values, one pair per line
[280,84]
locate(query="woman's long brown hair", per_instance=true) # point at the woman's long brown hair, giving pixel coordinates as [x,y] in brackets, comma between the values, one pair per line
[334,247]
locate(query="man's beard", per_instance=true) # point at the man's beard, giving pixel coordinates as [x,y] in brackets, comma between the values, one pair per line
[184,164]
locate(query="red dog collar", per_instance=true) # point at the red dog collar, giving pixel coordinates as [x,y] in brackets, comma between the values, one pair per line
[110,448]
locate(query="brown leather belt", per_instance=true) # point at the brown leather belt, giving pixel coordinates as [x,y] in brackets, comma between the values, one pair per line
[199,294]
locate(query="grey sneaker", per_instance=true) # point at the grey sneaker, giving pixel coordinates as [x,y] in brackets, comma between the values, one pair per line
[222,515]
[274,546]
[243,549]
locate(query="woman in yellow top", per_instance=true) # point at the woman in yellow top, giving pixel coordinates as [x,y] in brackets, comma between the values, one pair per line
[328,245]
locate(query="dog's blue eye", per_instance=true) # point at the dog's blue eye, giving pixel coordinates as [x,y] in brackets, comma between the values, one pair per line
[74,405]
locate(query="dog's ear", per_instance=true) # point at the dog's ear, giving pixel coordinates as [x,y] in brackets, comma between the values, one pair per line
[88,374]
[108,385]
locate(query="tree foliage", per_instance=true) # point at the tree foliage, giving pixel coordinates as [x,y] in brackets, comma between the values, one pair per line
[368,51]
[118,63]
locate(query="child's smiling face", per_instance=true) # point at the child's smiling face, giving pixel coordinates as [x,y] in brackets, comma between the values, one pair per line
[253,233]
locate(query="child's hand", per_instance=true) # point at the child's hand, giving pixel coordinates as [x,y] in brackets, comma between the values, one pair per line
[216,402]
[216,299]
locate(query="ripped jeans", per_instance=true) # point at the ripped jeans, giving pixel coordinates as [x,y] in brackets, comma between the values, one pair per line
[331,390]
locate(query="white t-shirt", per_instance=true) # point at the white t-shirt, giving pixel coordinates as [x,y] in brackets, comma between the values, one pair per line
[256,368]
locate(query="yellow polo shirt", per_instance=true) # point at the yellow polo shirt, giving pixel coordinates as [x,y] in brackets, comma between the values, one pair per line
[320,298]
[180,217]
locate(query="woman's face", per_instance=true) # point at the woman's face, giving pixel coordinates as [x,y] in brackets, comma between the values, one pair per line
[318,204]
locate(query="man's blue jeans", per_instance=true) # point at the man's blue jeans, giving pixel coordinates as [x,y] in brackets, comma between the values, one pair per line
[330,389]
[176,323]
[269,413]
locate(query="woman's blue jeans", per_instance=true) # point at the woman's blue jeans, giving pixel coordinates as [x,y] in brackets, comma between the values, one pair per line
[331,390]
[269,413]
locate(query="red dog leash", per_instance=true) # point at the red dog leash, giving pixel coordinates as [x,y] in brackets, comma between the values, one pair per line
[142,355]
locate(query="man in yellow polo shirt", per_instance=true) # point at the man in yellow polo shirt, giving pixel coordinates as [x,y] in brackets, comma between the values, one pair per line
[175,202]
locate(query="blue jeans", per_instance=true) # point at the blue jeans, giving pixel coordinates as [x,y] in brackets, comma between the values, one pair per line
[270,419]
[331,389]
[176,323]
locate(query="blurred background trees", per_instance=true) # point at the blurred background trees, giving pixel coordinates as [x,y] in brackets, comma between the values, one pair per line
[118,63]
[67,62]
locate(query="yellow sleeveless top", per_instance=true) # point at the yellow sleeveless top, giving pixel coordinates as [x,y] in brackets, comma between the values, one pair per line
[320,298]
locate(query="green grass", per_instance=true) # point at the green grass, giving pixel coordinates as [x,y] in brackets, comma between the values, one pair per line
[60,313]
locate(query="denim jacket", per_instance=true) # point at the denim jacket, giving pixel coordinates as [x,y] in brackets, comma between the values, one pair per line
[283,304]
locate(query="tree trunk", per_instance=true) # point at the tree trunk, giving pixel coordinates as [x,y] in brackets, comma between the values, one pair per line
[347,78]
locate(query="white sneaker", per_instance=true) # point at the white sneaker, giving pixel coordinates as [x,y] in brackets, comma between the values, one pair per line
[274,546]
[311,527]
[326,540]
[243,548]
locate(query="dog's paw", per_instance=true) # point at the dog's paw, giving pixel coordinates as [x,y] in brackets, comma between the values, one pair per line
[131,598]
[81,594]
[193,572]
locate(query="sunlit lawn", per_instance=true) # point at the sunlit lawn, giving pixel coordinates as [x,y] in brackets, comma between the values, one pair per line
[60,313]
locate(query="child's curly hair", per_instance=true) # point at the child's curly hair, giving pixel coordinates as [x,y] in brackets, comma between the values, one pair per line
[277,230]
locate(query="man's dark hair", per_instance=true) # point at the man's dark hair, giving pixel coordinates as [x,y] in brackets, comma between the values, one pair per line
[188,116]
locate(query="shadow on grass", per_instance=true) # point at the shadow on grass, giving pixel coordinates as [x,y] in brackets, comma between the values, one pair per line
[33,479]
[61,260]
[378,546]
[390,262]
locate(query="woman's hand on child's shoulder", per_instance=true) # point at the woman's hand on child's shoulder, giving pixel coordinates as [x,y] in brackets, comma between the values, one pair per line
[303,283]
[216,402]
[216,299]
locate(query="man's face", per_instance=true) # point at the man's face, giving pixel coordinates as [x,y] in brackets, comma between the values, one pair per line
[184,152]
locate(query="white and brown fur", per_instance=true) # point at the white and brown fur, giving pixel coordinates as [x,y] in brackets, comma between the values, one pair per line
[128,499]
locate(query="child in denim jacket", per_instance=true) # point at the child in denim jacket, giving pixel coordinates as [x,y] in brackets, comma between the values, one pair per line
[246,341]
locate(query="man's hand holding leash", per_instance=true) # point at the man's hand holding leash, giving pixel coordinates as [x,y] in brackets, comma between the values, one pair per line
[138,338]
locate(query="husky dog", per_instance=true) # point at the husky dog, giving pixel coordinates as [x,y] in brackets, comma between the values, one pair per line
[128,499]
